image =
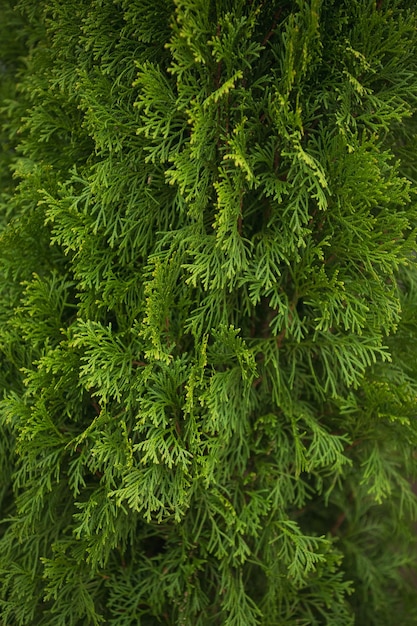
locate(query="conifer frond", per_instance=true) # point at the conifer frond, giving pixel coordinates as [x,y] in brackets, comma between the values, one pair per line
[208,312]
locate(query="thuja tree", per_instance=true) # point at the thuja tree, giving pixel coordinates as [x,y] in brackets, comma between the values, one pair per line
[208,312]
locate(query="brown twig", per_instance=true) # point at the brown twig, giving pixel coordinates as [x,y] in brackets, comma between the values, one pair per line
[281,337]
[276,161]
[139,363]
[338,523]
[331,258]
[271,32]
[96,406]
[353,444]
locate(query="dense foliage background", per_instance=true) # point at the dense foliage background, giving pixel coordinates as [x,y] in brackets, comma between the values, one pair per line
[208,312]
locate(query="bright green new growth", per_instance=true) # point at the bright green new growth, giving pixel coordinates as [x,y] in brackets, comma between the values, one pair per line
[208,312]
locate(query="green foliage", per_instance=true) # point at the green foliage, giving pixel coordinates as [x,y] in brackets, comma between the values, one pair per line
[208,312]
